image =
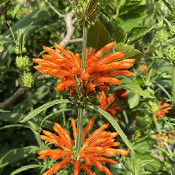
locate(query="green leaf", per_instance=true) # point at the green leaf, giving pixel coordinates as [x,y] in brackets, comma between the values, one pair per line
[24,168]
[169,6]
[42,108]
[16,154]
[130,85]
[138,32]
[133,100]
[119,4]
[4,40]
[144,147]
[3,1]
[14,125]
[113,26]
[36,97]
[98,36]
[131,20]
[129,51]
[11,117]
[113,123]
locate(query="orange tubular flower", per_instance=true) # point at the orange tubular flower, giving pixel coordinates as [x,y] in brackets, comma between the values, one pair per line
[163,110]
[160,141]
[93,150]
[108,104]
[98,71]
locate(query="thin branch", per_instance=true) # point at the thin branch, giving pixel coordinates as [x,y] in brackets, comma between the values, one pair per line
[76,40]
[57,12]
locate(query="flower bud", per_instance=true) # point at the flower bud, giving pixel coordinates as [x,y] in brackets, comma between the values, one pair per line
[22,62]
[26,80]
[161,36]
[152,107]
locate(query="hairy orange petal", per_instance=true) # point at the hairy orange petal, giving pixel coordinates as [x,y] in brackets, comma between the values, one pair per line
[74,128]
[86,169]
[77,167]
[106,160]
[121,72]
[107,80]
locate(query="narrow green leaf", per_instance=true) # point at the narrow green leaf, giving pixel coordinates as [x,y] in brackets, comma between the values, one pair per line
[138,33]
[113,123]
[169,6]
[130,85]
[42,108]
[14,125]
[24,168]
[98,36]
[16,154]
[129,51]
[131,20]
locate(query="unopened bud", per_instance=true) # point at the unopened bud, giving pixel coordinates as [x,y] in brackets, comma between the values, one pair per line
[161,36]
[26,80]
[22,62]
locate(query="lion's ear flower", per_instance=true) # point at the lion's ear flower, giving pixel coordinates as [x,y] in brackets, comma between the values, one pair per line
[93,152]
[109,104]
[99,70]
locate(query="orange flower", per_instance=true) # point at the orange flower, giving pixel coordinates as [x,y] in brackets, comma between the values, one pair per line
[108,104]
[121,94]
[163,110]
[93,150]
[160,141]
[142,68]
[98,70]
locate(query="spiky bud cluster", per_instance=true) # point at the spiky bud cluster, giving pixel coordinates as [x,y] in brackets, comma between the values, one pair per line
[26,80]
[152,106]
[161,36]
[171,54]
[22,62]
[19,50]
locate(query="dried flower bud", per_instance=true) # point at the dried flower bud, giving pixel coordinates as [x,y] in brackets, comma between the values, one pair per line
[22,62]
[26,80]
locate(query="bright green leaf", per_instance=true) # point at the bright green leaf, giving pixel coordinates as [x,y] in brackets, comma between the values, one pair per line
[138,32]
[42,108]
[133,100]
[98,36]
[113,123]
[131,20]
[16,154]
[129,51]
[130,85]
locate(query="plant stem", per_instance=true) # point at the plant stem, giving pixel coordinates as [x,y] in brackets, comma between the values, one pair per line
[79,128]
[173,83]
[160,132]
[85,31]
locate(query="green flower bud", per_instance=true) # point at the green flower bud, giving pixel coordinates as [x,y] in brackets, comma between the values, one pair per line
[18,51]
[161,36]
[152,106]
[22,62]
[26,80]
[171,54]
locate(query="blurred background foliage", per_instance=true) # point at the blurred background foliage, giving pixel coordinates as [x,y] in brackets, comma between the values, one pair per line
[143,29]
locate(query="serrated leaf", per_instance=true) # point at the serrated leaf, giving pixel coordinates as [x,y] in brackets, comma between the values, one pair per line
[113,123]
[16,154]
[115,30]
[129,51]
[130,85]
[138,32]
[42,108]
[24,168]
[131,20]
[133,100]
[98,36]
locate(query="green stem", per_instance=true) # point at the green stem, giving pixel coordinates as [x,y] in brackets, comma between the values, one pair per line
[173,83]
[79,129]
[160,132]
[85,31]
[30,100]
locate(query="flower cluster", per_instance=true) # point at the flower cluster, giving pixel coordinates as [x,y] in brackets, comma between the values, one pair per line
[108,104]
[93,150]
[160,141]
[98,70]
[163,109]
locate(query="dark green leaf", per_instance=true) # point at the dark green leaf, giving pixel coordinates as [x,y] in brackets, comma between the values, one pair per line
[113,123]
[138,32]
[16,154]
[169,6]
[98,36]
[42,108]
[129,51]
[3,1]
[15,125]
[4,40]
[11,117]
[131,20]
